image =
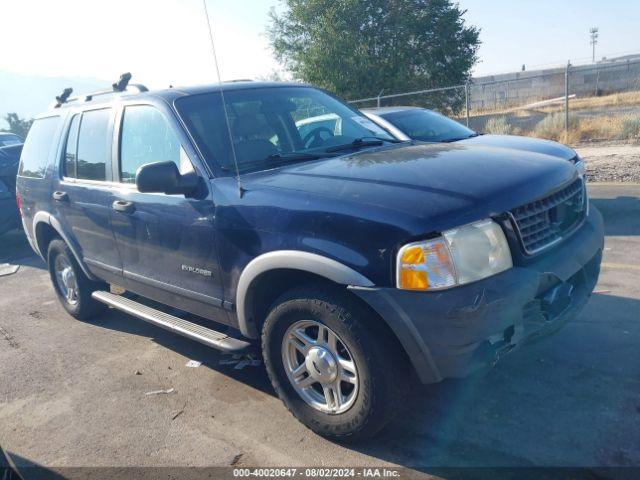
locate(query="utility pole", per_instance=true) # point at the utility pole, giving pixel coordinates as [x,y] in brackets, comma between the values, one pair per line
[466,100]
[594,41]
[566,96]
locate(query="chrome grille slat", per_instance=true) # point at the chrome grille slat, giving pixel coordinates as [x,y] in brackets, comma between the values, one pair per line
[534,221]
[535,228]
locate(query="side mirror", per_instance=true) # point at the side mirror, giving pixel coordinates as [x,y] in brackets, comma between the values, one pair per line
[164,177]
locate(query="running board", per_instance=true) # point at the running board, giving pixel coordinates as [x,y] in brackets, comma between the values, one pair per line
[209,337]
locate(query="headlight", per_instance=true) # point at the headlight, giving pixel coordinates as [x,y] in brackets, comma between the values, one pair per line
[461,255]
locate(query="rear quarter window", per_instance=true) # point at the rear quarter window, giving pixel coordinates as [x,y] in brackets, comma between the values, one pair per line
[36,152]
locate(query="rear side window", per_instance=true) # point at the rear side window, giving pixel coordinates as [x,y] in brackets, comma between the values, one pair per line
[89,146]
[37,148]
[72,148]
[146,138]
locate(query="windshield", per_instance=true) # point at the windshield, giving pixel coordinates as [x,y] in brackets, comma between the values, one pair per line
[427,126]
[6,140]
[273,125]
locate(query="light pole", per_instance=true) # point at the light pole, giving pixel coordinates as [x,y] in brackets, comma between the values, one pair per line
[594,41]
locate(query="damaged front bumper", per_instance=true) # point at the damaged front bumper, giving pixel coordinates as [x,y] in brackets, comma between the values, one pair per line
[452,333]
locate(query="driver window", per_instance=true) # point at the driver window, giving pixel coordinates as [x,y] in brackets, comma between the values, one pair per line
[147,137]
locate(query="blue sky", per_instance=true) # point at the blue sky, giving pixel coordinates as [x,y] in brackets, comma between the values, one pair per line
[540,32]
[166,41]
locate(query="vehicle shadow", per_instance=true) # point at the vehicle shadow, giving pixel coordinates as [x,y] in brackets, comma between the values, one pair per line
[253,376]
[16,467]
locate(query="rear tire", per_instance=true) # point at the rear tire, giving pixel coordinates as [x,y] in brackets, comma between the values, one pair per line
[72,286]
[370,389]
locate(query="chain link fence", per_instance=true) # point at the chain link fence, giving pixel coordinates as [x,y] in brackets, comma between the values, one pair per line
[571,103]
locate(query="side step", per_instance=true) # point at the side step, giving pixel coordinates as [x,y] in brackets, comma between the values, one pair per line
[209,337]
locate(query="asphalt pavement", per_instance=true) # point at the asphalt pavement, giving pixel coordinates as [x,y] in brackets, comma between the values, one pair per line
[73,393]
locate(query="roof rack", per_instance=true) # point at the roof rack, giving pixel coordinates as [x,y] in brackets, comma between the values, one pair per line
[121,86]
[64,96]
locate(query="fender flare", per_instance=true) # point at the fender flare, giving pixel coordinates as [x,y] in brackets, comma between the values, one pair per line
[288,259]
[46,217]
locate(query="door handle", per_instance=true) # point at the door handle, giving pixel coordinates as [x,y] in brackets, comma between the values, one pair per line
[123,206]
[60,196]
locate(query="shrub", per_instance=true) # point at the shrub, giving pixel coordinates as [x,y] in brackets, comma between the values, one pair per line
[498,126]
[552,126]
[630,129]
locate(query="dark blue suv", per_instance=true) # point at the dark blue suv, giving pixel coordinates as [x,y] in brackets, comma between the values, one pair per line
[274,214]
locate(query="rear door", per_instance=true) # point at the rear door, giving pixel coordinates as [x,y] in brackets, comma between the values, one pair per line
[167,242]
[82,196]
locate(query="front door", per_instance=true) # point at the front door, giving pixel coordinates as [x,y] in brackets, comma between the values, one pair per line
[167,242]
[83,196]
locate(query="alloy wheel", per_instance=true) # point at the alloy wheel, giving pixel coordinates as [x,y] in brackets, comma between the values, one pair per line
[320,367]
[66,280]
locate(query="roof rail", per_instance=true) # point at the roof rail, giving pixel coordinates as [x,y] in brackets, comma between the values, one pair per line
[236,80]
[121,86]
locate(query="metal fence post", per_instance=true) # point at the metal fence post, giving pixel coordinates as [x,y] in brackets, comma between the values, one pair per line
[466,100]
[379,97]
[566,97]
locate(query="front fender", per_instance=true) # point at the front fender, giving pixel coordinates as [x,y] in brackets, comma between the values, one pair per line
[288,259]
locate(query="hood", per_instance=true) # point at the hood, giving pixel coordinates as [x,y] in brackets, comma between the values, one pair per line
[428,187]
[527,144]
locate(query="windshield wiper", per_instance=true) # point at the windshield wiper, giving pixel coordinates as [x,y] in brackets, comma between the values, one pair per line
[362,142]
[457,139]
[389,140]
[293,156]
[282,158]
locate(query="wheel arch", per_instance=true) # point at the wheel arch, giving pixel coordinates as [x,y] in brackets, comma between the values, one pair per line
[302,265]
[45,228]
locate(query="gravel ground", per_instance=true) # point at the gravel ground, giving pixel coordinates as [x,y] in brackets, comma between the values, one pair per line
[611,162]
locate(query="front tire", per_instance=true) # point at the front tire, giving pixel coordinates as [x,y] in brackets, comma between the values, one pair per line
[333,366]
[72,286]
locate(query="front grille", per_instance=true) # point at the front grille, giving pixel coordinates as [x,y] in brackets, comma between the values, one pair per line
[544,222]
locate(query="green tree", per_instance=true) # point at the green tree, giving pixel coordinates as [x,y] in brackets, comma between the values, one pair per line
[17,125]
[356,48]
[273,76]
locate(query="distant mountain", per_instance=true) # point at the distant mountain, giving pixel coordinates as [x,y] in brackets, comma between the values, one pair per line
[28,95]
